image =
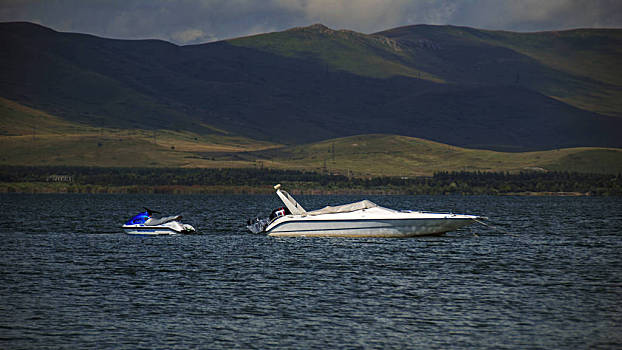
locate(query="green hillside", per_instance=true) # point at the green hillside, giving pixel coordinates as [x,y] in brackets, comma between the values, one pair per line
[574,66]
[367,55]
[32,137]
[587,54]
[374,155]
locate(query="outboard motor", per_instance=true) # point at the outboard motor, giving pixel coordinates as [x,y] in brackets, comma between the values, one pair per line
[257,225]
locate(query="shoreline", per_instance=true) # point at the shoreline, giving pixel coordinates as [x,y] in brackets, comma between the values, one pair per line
[69,188]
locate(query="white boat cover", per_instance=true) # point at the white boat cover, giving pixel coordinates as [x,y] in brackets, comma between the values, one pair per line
[346,208]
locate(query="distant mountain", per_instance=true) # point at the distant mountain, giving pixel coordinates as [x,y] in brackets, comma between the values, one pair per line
[461,86]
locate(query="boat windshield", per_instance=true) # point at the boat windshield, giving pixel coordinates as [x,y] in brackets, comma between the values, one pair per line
[138,219]
[290,203]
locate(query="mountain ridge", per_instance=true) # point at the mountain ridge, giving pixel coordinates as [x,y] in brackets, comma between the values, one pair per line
[296,86]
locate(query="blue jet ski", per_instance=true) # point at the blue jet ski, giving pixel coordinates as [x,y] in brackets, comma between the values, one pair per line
[145,224]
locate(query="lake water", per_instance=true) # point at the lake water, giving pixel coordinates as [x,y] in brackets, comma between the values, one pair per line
[551,278]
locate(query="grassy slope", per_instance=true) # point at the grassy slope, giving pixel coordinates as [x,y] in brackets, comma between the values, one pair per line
[59,142]
[578,67]
[582,64]
[367,55]
[588,53]
[585,52]
[32,137]
[370,155]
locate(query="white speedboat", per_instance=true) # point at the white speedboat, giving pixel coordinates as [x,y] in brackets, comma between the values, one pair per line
[145,224]
[359,219]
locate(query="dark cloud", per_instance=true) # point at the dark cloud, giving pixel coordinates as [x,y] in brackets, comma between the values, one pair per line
[537,15]
[194,21]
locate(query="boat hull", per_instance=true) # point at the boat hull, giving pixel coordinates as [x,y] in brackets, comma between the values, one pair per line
[146,230]
[395,228]
[170,228]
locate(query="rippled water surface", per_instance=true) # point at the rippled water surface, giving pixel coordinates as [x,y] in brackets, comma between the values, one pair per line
[549,277]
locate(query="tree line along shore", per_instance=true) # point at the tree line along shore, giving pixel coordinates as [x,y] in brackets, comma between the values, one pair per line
[26,179]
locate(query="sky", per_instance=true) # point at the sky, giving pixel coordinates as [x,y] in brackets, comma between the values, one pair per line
[198,21]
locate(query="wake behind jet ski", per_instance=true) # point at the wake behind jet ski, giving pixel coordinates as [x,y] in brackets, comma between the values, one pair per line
[145,224]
